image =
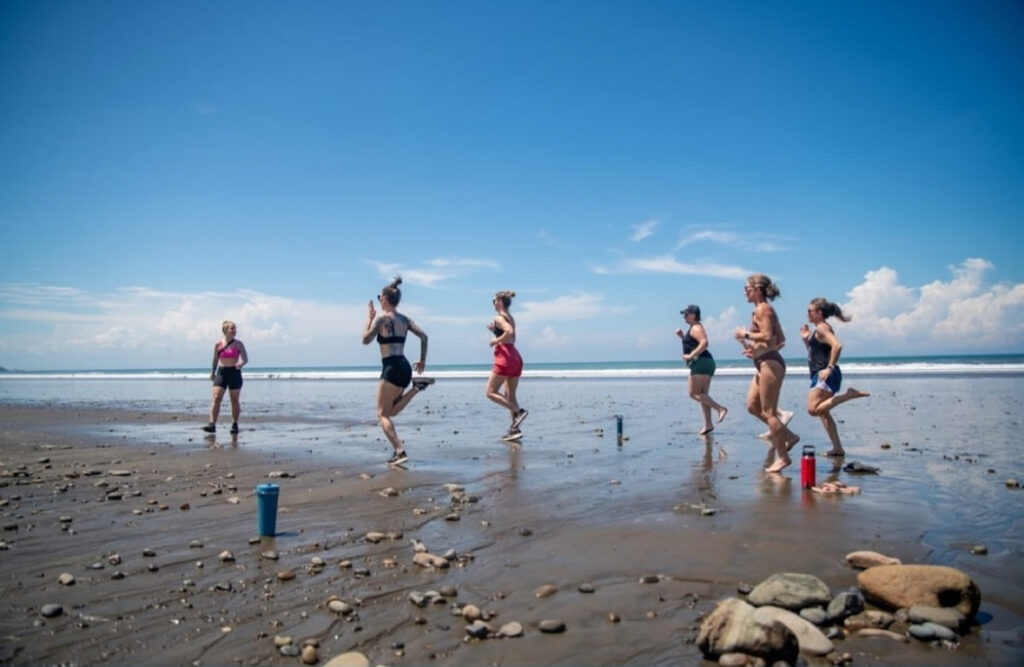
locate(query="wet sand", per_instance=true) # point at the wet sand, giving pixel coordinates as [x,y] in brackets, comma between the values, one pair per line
[567,506]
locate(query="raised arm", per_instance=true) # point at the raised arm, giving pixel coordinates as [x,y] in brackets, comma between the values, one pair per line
[372,324]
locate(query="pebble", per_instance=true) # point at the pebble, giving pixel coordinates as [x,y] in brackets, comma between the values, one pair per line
[282,640]
[586,588]
[478,630]
[66,579]
[613,617]
[226,556]
[649,579]
[290,651]
[547,590]
[114,559]
[1012,483]
[148,553]
[51,610]
[340,607]
[374,537]
[286,575]
[552,626]
[389,492]
[350,659]
[471,613]
[270,555]
[454,516]
[979,549]
[195,544]
[449,591]
[65,519]
[931,631]
[512,629]
[309,655]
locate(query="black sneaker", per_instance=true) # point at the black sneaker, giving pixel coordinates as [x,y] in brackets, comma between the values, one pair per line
[234,428]
[422,383]
[512,435]
[398,459]
[210,428]
[520,416]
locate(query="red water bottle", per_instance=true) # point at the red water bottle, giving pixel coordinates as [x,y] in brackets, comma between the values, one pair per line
[807,466]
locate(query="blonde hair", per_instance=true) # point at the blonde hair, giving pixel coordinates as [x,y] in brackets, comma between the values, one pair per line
[829,309]
[392,292]
[769,289]
[505,296]
[226,325]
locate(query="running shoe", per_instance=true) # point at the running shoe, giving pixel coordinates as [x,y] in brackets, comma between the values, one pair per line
[422,383]
[234,428]
[210,428]
[512,435]
[398,459]
[520,416]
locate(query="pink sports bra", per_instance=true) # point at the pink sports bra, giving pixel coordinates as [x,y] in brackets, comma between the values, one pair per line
[229,351]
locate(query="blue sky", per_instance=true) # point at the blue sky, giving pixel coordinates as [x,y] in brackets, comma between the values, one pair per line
[164,166]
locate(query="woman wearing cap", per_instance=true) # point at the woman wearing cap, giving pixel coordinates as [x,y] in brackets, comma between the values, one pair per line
[701,365]
[229,355]
[390,329]
[762,343]
[823,350]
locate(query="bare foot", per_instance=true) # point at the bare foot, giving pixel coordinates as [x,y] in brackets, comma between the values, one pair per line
[791,442]
[706,430]
[779,466]
[856,393]
[722,413]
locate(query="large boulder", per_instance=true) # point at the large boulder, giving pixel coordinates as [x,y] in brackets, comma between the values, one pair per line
[790,590]
[811,640]
[899,586]
[737,627]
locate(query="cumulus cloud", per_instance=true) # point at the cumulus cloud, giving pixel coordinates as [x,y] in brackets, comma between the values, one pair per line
[577,306]
[962,313]
[549,338]
[670,265]
[643,230]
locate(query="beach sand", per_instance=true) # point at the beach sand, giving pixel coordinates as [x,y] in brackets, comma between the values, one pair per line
[567,506]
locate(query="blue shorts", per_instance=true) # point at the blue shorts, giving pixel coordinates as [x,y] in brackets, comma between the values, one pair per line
[832,384]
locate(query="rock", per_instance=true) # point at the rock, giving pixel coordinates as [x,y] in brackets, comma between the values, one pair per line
[195,544]
[862,560]
[430,560]
[449,591]
[341,607]
[375,536]
[586,588]
[845,604]
[896,586]
[478,629]
[471,613]
[512,629]
[878,632]
[734,660]
[810,638]
[290,651]
[979,549]
[309,655]
[282,640]
[351,659]
[791,591]
[545,591]
[1012,484]
[51,610]
[871,618]
[226,556]
[418,599]
[66,579]
[927,632]
[552,626]
[949,618]
[286,575]
[114,559]
[815,615]
[270,555]
[858,468]
[734,627]
[389,492]
[649,579]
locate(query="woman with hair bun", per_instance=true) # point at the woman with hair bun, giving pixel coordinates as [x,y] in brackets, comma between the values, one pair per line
[823,350]
[508,365]
[762,342]
[390,329]
[702,366]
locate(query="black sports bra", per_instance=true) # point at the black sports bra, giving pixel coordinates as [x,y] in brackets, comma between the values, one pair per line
[391,338]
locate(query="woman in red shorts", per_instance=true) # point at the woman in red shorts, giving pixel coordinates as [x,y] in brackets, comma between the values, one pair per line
[508,365]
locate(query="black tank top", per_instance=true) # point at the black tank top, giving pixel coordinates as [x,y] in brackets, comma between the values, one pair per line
[389,327]
[818,354]
[690,344]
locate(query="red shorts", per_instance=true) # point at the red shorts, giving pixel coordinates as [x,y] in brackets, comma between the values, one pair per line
[507,361]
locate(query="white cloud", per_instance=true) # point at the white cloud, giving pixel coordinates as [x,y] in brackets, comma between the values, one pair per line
[578,306]
[670,265]
[963,313]
[549,338]
[643,230]
[434,271]
[750,242]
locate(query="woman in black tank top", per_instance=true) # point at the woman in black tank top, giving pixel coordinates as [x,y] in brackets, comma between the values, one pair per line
[702,367]
[823,350]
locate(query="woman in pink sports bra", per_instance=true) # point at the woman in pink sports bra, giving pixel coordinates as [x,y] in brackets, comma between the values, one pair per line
[762,343]
[229,356]
[508,365]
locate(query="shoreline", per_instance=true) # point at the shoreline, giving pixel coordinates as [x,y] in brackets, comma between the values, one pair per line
[567,507]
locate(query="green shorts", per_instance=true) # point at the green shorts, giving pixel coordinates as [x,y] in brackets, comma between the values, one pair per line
[702,366]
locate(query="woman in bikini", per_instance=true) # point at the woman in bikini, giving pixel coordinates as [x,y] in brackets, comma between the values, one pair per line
[762,343]
[229,355]
[823,350]
[702,366]
[390,329]
[508,365]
